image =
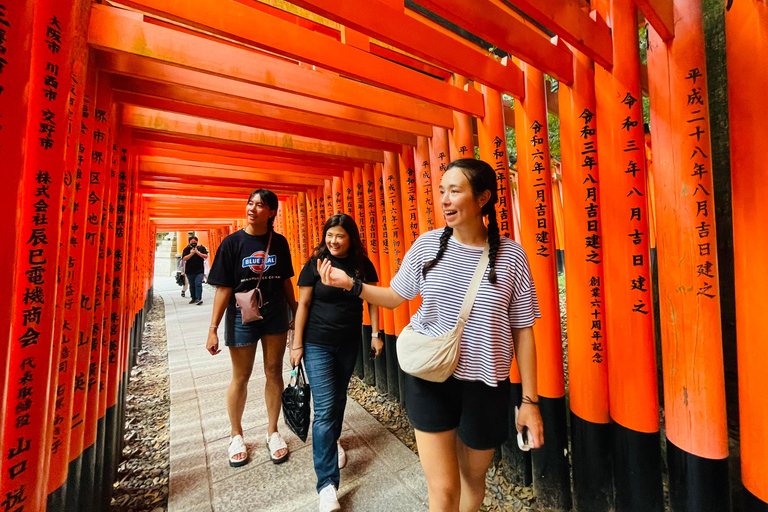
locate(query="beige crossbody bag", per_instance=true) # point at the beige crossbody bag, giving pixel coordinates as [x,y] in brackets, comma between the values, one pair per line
[435,358]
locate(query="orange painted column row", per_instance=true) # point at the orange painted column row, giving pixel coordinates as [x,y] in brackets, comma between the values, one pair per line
[31,342]
[387,316]
[461,142]
[551,480]
[627,292]
[439,158]
[369,225]
[746,46]
[591,450]
[425,195]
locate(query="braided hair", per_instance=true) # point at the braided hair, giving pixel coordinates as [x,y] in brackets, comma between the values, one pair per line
[481,177]
[270,199]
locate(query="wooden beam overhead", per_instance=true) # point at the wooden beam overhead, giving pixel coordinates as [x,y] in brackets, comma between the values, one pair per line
[501,28]
[239,22]
[394,27]
[129,66]
[168,122]
[661,15]
[246,119]
[298,121]
[112,31]
[569,21]
[227,176]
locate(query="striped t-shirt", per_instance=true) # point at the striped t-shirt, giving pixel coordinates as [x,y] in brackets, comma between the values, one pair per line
[486,345]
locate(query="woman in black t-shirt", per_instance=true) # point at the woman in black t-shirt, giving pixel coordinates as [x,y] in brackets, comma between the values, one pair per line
[328,336]
[240,261]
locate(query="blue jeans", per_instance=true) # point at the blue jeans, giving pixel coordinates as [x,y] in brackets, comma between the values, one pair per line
[329,369]
[196,286]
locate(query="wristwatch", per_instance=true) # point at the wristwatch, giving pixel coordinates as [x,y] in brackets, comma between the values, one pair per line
[374,335]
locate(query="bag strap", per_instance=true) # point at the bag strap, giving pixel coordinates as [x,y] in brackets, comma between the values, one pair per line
[474,286]
[264,263]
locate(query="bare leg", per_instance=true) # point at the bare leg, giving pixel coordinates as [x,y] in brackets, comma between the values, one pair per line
[242,366]
[273,346]
[473,465]
[437,452]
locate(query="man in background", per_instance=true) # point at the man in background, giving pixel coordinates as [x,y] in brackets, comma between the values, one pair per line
[193,259]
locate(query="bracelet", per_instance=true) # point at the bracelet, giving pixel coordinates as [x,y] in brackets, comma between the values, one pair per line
[357,287]
[527,400]
[213,327]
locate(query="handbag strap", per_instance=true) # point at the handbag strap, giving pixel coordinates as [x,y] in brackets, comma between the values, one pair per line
[474,286]
[264,263]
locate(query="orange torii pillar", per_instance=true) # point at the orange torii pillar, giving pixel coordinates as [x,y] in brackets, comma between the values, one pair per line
[280,218]
[328,198]
[321,206]
[40,174]
[424,185]
[461,142]
[311,220]
[387,316]
[746,28]
[410,209]
[492,142]
[358,206]
[691,335]
[397,250]
[551,479]
[304,248]
[632,378]
[439,158]
[349,198]
[369,226]
[338,195]
[591,450]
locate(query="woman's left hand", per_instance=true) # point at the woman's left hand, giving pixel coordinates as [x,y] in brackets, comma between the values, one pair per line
[377,344]
[529,416]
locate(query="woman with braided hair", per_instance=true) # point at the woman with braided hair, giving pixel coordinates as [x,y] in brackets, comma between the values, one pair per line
[459,422]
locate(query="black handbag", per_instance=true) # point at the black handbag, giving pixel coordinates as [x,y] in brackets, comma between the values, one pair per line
[179,279]
[296,398]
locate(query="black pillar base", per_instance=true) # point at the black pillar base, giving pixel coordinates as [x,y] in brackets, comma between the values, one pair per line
[516,463]
[551,470]
[73,485]
[592,465]
[57,500]
[393,385]
[381,368]
[369,372]
[637,470]
[752,503]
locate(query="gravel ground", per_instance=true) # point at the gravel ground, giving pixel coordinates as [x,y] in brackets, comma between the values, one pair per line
[142,477]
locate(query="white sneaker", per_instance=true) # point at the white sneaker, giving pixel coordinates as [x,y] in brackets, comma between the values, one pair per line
[328,500]
[342,455]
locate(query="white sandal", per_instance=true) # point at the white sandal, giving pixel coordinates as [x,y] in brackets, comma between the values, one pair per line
[236,447]
[342,455]
[275,443]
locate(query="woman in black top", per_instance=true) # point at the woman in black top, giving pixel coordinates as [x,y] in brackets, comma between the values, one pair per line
[239,262]
[328,336]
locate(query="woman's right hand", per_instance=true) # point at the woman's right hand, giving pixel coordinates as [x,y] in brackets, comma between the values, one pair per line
[212,345]
[296,355]
[332,276]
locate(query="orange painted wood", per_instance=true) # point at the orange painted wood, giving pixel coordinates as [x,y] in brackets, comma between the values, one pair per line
[410,209]
[627,294]
[330,207]
[461,142]
[387,316]
[338,195]
[537,229]
[236,21]
[661,15]
[439,158]
[158,120]
[349,201]
[312,229]
[492,142]
[395,235]
[110,30]
[409,61]
[157,170]
[396,28]
[424,186]
[144,92]
[574,25]
[692,349]
[587,343]
[500,27]
[30,342]
[359,205]
[746,28]
[321,212]
[368,229]
[241,117]
[138,74]
[303,228]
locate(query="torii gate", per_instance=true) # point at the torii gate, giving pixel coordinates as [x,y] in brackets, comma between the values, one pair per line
[121,119]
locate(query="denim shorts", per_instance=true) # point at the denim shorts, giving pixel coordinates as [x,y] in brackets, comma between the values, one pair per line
[275,321]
